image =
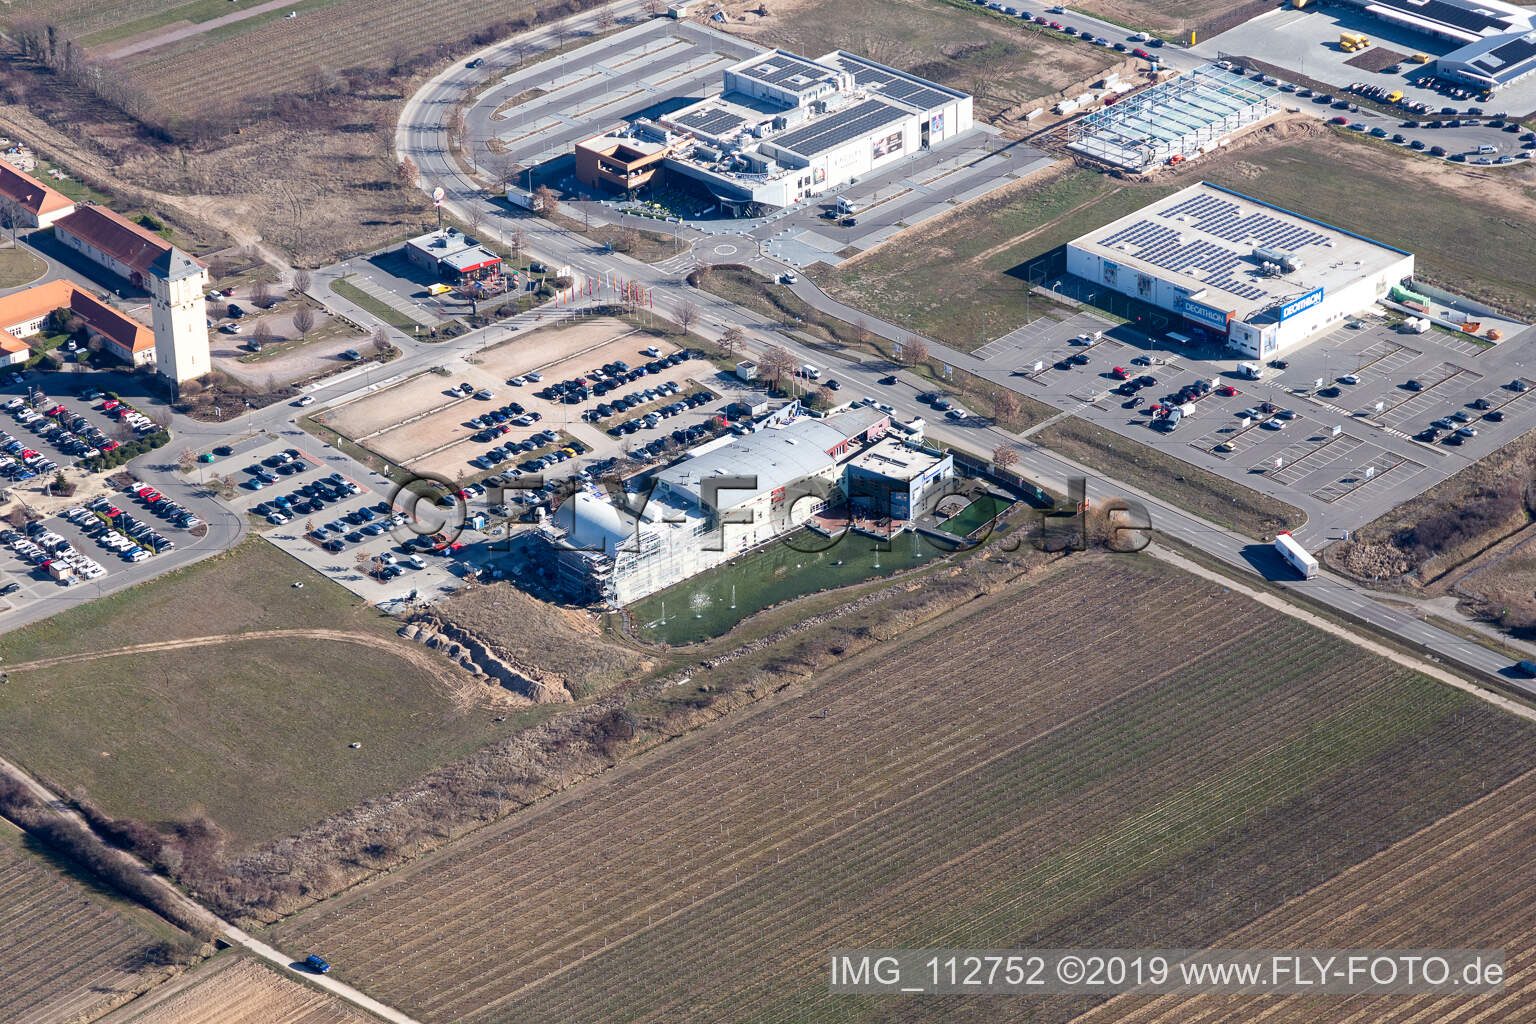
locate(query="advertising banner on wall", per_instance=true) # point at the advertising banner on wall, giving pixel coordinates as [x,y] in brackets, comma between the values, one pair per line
[1207,316]
[818,175]
[888,145]
[936,123]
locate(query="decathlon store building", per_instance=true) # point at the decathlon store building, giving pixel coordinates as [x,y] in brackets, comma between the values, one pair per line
[1261,278]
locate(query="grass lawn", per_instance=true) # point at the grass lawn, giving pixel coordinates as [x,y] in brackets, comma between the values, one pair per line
[254,732]
[18,267]
[1177,482]
[975,515]
[383,310]
[962,279]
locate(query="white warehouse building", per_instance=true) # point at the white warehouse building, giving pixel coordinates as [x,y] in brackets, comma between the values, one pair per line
[784,128]
[1260,278]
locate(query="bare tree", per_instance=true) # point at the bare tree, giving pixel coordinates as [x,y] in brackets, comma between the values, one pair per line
[776,364]
[381,343]
[731,339]
[823,398]
[301,280]
[476,218]
[547,200]
[687,315]
[517,239]
[262,335]
[1004,456]
[406,171]
[187,460]
[11,215]
[1005,406]
[261,294]
[604,20]
[303,320]
[914,350]
[653,8]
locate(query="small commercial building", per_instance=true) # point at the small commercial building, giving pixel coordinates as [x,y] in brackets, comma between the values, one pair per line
[618,164]
[1259,278]
[452,255]
[26,313]
[38,204]
[897,480]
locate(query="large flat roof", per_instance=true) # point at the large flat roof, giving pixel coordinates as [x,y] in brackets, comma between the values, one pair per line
[784,70]
[1203,238]
[832,130]
[895,460]
[1502,59]
[1461,17]
[891,83]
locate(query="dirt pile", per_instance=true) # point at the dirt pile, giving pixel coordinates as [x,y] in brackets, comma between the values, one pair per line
[1373,560]
[473,655]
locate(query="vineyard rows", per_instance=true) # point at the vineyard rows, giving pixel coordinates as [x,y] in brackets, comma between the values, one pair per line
[236,990]
[275,56]
[1463,882]
[968,789]
[66,955]
[79,18]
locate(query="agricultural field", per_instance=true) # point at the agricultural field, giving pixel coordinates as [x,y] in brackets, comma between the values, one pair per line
[223,689]
[1471,875]
[996,59]
[962,277]
[1066,764]
[236,989]
[69,952]
[189,63]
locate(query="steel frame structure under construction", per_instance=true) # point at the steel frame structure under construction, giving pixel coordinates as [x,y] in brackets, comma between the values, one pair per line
[1182,117]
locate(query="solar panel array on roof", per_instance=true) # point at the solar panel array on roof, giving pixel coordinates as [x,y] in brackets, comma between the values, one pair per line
[1224,219]
[1509,61]
[836,128]
[897,87]
[711,120]
[1459,15]
[1211,264]
[783,70]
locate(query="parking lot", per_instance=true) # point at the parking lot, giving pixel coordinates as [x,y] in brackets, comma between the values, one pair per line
[337,519]
[498,412]
[1307,41]
[1341,429]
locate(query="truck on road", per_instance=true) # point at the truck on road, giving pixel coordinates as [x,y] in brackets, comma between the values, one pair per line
[1295,554]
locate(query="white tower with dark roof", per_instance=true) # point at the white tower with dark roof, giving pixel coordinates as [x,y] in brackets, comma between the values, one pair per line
[177,284]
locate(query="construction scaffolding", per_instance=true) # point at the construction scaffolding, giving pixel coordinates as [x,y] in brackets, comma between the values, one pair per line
[1177,120]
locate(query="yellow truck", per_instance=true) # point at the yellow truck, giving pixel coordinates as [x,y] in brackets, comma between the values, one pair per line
[1394,95]
[1419,58]
[1352,41]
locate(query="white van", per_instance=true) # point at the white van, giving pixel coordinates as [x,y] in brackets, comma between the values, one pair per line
[1487,148]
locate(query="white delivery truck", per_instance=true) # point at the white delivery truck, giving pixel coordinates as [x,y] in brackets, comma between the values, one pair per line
[1295,554]
[1249,370]
[810,372]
